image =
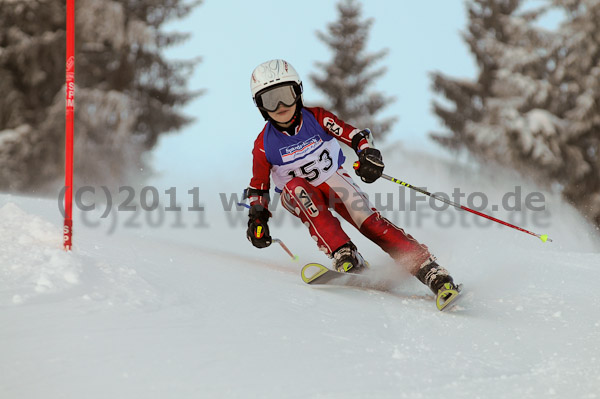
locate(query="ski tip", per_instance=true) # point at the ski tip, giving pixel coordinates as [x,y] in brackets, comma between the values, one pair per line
[447,296]
[317,271]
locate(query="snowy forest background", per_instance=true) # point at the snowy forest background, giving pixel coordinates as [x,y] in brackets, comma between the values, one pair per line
[127,92]
[533,107]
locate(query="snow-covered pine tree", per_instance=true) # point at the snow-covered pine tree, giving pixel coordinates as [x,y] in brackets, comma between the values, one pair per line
[491,116]
[347,78]
[127,93]
[32,71]
[534,105]
[578,74]
[466,97]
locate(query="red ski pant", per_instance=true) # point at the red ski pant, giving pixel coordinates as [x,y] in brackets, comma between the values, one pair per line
[313,206]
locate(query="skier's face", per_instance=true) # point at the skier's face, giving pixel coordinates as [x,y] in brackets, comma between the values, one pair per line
[283,114]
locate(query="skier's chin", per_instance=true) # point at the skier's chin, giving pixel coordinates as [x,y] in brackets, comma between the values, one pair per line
[283,116]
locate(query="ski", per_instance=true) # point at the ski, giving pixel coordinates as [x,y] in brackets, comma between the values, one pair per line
[447,295]
[317,274]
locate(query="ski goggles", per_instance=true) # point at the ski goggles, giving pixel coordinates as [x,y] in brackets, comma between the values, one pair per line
[270,99]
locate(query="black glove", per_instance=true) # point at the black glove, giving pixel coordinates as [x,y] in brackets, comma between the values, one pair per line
[258,229]
[370,165]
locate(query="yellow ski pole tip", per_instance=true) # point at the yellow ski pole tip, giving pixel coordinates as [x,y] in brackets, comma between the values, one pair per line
[544,237]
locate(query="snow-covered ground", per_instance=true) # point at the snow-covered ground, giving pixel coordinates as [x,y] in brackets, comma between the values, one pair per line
[193,311]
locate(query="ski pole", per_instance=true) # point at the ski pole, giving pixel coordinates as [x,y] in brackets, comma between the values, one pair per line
[285,248]
[543,237]
[277,240]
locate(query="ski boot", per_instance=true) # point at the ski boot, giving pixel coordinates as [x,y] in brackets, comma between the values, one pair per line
[440,283]
[347,259]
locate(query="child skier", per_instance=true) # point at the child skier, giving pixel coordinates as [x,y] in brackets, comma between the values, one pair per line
[299,148]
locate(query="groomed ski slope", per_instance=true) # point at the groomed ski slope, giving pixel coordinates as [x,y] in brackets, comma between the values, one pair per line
[199,313]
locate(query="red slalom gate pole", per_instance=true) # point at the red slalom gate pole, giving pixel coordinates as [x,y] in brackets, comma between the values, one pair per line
[69,117]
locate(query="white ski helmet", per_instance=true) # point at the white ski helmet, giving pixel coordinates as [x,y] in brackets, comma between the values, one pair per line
[274,73]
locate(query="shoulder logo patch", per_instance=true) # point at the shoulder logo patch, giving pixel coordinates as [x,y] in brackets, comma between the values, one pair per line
[333,127]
